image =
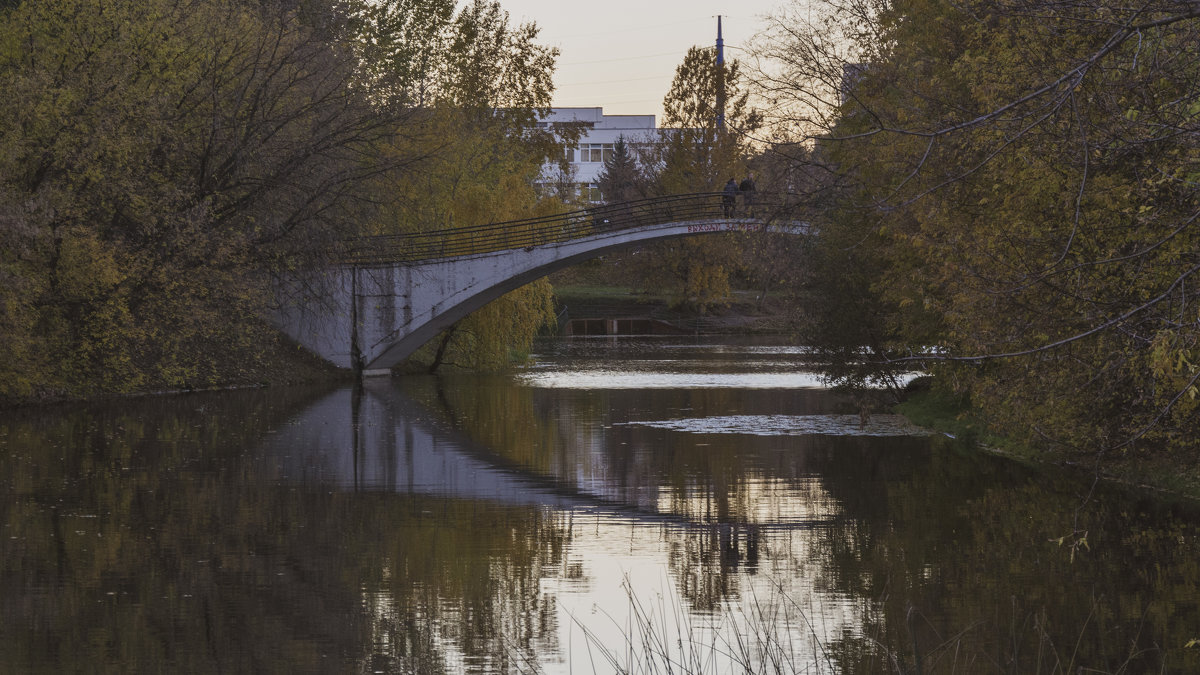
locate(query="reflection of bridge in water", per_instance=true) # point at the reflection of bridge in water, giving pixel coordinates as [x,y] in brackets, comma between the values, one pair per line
[377,439]
[392,294]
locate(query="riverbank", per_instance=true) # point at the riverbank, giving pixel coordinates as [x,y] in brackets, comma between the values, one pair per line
[1143,470]
[269,361]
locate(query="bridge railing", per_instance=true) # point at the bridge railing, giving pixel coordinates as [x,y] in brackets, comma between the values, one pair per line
[530,232]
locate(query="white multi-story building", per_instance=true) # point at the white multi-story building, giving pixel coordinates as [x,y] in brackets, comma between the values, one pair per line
[600,134]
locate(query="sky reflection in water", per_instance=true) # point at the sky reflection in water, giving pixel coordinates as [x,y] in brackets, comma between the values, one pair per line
[791,425]
[627,379]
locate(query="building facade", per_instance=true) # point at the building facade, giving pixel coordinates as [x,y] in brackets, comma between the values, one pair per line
[586,160]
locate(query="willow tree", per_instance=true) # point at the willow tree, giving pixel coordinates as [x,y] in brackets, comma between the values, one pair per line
[1025,177]
[479,92]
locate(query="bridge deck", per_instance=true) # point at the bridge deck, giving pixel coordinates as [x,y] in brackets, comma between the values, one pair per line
[557,228]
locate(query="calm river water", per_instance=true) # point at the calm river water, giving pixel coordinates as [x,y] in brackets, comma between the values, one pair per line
[642,507]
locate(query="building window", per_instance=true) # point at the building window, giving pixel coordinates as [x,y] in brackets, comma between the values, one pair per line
[570,155]
[590,192]
[595,152]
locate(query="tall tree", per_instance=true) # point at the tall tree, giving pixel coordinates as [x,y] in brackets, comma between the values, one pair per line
[488,83]
[157,160]
[696,155]
[1026,175]
[620,180]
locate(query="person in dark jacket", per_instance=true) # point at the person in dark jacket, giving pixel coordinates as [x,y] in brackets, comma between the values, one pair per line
[729,197]
[747,190]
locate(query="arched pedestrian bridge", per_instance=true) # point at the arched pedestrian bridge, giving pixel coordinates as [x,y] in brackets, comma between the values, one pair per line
[391,294]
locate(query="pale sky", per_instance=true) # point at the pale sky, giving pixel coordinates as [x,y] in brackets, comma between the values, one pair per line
[621,54]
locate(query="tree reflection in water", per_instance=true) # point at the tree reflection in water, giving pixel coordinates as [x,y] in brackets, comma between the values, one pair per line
[450,525]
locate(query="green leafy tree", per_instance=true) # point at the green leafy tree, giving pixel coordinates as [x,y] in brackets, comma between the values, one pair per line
[400,47]
[1025,176]
[697,155]
[158,160]
[481,151]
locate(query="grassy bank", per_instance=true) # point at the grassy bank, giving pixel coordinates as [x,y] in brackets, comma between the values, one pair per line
[1143,469]
[947,414]
[269,361]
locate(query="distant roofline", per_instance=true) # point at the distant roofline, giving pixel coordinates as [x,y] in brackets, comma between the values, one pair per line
[594,115]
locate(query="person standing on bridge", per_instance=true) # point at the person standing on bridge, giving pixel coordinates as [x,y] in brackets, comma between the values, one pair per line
[747,190]
[729,198]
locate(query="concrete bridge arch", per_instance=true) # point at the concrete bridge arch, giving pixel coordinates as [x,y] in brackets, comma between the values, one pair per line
[376,310]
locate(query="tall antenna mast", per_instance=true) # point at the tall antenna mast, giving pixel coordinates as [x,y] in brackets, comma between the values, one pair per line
[720,78]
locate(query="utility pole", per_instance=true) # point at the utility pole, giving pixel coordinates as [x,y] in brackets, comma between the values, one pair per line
[720,78]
